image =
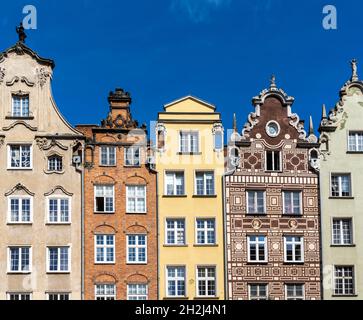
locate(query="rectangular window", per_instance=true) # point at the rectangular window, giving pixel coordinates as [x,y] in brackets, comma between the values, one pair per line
[20,157]
[59,210]
[58,296]
[104,249]
[58,260]
[105,292]
[133,156]
[175,279]
[344,281]
[258,292]
[294,249]
[174,184]
[204,183]
[206,281]
[104,199]
[175,232]
[19,296]
[108,156]
[342,232]
[292,202]
[257,249]
[136,249]
[137,292]
[355,142]
[19,260]
[20,210]
[136,199]
[273,161]
[341,185]
[256,202]
[189,142]
[295,292]
[218,140]
[20,108]
[206,231]
[55,163]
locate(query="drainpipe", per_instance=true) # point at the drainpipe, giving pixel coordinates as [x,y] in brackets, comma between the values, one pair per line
[226,293]
[82,225]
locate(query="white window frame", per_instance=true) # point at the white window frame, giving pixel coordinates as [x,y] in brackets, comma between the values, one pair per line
[264,203]
[104,197]
[175,230]
[356,134]
[58,294]
[204,173]
[137,198]
[20,198]
[175,279]
[20,248]
[133,158]
[218,132]
[341,232]
[8,294]
[58,158]
[343,278]
[206,280]
[339,175]
[21,145]
[22,98]
[292,202]
[256,244]
[136,247]
[113,296]
[273,160]
[105,246]
[59,260]
[108,157]
[137,295]
[174,183]
[295,297]
[205,230]
[259,297]
[59,199]
[294,249]
[189,134]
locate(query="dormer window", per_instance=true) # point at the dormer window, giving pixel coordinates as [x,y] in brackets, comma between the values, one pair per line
[20,106]
[55,163]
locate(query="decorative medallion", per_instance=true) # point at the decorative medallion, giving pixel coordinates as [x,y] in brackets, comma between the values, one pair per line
[293,224]
[239,246]
[256,224]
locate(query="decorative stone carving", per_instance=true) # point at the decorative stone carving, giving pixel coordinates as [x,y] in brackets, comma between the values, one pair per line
[42,143]
[2,74]
[2,141]
[43,74]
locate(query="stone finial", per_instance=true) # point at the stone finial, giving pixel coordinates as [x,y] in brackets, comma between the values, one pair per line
[354,64]
[311,126]
[234,123]
[324,113]
[273,82]
[21,33]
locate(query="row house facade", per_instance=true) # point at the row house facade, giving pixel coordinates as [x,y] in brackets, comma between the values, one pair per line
[341,176]
[189,160]
[272,205]
[120,226]
[40,185]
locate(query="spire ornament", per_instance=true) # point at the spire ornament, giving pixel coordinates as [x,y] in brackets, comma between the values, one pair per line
[21,33]
[354,64]
[273,82]
[234,123]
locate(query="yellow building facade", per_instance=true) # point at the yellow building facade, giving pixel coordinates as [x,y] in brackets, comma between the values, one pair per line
[189,160]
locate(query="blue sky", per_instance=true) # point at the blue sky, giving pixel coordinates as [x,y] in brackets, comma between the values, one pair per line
[223,51]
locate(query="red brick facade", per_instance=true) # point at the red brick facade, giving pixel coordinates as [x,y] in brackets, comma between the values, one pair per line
[119,130]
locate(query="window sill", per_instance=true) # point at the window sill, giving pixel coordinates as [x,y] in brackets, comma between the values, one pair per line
[344,295]
[287,263]
[206,245]
[108,213]
[106,166]
[256,263]
[19,118]
[189,153]
[136,263]
[176,298]
[54,172]
[136,213]
[175,196]
[131,167]
[58,224]
[341,198]
[205,196]
[104,263]
[255,214]
[206,298]
[354,152]
[19,169]
[14,273]
[342,245]
[58,272]
[175,245]
[296,215]
[19,223]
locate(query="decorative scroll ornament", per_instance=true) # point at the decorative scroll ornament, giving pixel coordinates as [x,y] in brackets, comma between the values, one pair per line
[42,143]
[2,74]
[43,75]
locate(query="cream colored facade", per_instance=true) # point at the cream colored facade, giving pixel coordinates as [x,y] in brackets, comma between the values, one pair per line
[26,76]
[341,206]
[186,116]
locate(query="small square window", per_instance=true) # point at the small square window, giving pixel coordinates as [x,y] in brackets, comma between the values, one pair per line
[20,106]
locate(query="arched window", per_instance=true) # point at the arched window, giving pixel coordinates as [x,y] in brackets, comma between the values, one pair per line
[55,163]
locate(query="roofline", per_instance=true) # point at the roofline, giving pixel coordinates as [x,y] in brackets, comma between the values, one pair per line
[212,106]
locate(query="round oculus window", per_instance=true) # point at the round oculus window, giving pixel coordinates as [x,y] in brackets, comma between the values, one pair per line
[273,129]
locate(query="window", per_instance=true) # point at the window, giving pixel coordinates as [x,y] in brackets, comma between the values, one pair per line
[20,210]
[174,183]
[161,138]
[137,292]
[256,202]
[175,281]
[19,296]
[175,231]
[292,202]
[206,232]
[136,199]
[257,249]
[58,296]
[206,281]
[189,142]
[132,156]
[55,163]
[105,249]
[342,232]
[20,157]
[218,140]
[108,156]
[273,161]
[258,291]
[294,249]
[59,210]
[355,142]
[104,199]
[344,281]
[295,292]
[340,185]
[136,249]
[58,260]
[19,260]
[20,106]
[105,292]
[204,182]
